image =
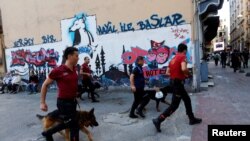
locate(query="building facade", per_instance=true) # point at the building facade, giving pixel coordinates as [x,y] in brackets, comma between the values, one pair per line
[240,24]
[221,38]
[112,33]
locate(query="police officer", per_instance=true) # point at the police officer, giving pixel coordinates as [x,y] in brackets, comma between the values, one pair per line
[178,71]
[66,77]
[137,84]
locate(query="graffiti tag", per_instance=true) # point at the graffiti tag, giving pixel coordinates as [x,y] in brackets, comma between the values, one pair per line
[106,29]
[154,72]
[180,33]
[37,58]
[157,22]
[152,23]
[24,42]
[48,39]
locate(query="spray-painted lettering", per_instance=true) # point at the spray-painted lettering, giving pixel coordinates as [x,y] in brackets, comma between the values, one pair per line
[37,58]
[106,29]
[24,42]
[153,72]
[152,23]
[48,39]
[156,22]
[180,33]
[126,27]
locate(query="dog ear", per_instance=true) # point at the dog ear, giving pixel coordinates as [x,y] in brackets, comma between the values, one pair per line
[92,111]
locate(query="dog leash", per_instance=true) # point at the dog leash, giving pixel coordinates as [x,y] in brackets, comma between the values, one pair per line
[78,104]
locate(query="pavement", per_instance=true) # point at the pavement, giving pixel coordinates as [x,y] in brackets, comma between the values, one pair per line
[227,102]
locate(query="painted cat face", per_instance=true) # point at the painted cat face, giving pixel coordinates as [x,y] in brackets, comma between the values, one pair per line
[151,55]
[162,55]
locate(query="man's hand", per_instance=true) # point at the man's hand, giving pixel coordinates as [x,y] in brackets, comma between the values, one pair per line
[88,74]
[133,88]
[157,89]
[44,107]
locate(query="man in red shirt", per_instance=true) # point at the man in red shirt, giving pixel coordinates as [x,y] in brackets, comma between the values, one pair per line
[66,78]
[178,71]
[87,78]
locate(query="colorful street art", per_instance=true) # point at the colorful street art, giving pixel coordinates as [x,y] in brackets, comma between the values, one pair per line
[38,58]
[113,53]
[80,32]
[41,58]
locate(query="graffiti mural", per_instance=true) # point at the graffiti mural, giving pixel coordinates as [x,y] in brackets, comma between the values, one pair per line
[113,50]
[80,32]
[40,58]
[158,46]
[37,58]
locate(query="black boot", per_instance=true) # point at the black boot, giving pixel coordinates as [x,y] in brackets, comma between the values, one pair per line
[48,134]
[131,115]
[95,100]
[140,113]
[157,122]
[193,120]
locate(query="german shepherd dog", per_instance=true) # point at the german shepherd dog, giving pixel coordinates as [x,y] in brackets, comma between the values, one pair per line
[85,119]
[164,90]
[82,89]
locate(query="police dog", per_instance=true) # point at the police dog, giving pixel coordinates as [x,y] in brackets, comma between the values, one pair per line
[85,119]
[165,90]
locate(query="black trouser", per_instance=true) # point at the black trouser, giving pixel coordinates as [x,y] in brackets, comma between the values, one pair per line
[14,87]
[179,93]
[89,83]
[3,87]
[223,63]
[245,63]
[140,98]
[67,110]
[216,61]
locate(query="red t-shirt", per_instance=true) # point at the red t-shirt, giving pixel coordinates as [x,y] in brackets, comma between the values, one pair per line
[85,68]
[175,66]
[67,81]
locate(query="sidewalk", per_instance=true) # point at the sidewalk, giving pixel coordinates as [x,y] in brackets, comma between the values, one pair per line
[228,102]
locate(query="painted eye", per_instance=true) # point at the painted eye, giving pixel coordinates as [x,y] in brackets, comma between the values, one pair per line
[161,54]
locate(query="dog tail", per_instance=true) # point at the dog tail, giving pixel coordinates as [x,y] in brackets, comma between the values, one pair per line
[40,117]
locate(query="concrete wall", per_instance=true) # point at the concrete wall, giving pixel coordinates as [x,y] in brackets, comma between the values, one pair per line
[33,19]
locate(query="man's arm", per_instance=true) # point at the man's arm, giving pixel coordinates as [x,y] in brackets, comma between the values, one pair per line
[43,105]
[132,82]
[168,71]
[84,73]
[184,68]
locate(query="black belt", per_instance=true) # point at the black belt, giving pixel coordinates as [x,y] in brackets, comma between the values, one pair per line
[177,80]
[67,99]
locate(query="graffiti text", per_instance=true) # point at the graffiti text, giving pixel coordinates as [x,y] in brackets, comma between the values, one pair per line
[48,39]
[126,27]
[106,29]
[154,72]
[180,33]
[37,58]
[24,42]
[156,22]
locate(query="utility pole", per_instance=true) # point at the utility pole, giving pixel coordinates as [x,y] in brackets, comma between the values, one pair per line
[196,50]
